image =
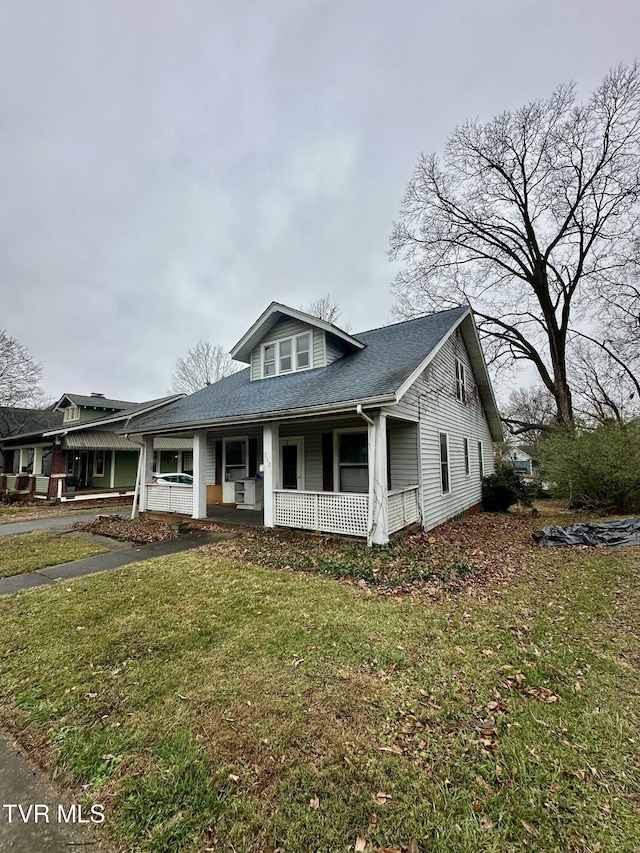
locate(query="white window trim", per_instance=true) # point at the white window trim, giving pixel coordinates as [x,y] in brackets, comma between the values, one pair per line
[461,381]
[299,441]
[230,438]
[294,354]
[71,413]
[95,463]
[446,435]
[336,455]
[466,457]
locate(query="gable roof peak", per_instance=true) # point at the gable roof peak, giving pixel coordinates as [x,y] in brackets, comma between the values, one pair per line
[267,320]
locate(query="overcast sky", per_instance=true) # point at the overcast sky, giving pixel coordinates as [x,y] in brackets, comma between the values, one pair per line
[168,169]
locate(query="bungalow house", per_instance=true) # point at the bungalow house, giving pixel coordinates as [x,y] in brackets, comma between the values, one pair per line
[355,434]
[79,453]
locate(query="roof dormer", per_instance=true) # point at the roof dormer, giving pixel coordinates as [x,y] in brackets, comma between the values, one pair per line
[284,340]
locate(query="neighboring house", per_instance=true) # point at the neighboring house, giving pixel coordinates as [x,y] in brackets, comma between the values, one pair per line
[521,459]
[15,420]
[356,434]
[82,454]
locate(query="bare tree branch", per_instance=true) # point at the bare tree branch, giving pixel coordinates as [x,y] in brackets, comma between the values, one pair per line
[203,365]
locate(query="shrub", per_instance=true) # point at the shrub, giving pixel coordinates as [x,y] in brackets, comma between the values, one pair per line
[595,468]
[503,489]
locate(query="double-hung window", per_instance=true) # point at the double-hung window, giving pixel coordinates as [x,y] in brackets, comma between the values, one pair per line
[461,381]
[235,459]
[353,466]
[444,463]
[480,460]
[465,448]
[287,355]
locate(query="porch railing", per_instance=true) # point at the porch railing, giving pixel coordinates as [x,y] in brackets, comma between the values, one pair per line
[403,508]
[331,512]
[169,499]
[11,481]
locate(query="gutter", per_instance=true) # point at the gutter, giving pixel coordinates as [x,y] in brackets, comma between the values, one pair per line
[307,411]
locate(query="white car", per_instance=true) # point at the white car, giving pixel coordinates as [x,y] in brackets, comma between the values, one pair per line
[172,479]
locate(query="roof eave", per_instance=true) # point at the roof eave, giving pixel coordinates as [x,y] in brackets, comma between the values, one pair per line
[262,417]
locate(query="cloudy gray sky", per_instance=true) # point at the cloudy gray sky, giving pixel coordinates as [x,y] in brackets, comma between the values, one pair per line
[169,167]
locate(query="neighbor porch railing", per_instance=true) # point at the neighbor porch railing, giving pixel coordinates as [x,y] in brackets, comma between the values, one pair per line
[169,499]
[403,508]
[331,512]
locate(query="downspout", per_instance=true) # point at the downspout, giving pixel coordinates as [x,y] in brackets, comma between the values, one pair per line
[371,466]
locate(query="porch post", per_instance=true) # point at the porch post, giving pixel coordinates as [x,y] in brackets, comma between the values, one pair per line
[112,470]
[378,492]
[200,474]
[271,462]
[146,469]
[37,461]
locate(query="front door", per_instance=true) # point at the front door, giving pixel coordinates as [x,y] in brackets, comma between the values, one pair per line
[84,469]
[291,458]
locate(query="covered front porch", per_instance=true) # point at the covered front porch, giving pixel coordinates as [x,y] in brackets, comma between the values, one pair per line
[355,475]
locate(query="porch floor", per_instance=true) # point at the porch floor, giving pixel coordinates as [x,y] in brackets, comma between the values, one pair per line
[231,515]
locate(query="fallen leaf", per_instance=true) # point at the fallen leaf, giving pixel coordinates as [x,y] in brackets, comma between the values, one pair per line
[381,798]
[395,749]
[233,777]
[529,827]
[360,845]
[486,824]
[413,846]
[314,803]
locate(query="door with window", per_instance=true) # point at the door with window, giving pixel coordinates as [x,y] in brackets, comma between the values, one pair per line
[291,463]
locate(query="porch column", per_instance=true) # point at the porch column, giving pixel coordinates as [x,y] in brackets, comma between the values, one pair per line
[200,474]
[146,469]
[37,461]
[112,470]
[271,462]
[378,492]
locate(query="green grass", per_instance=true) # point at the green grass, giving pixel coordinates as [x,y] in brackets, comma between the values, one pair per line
[30,551]
[212,704]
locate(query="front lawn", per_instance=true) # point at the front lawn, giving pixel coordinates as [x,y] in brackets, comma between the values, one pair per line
[212,704]
[27,552]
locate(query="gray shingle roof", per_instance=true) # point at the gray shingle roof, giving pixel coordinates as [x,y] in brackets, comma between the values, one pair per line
[391,354]
[98,402]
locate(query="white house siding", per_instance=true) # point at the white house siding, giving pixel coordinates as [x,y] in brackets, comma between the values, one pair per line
[432,398]
[403,453]
[312,432]
[286,328]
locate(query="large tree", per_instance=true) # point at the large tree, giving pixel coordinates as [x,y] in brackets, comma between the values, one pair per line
[531,218]
[20,375]
[203,365]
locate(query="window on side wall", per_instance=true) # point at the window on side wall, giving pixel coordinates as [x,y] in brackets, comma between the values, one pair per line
[98,464]
[461,381]
[480,460]
[465,450]
[445,481]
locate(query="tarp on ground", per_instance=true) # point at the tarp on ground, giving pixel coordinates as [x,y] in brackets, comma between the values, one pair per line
[623,531]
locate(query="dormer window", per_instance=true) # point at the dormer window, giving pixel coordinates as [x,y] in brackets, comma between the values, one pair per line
[71,413]
[287,355]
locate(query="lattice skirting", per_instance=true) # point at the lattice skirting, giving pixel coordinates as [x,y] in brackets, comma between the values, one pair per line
[326,511]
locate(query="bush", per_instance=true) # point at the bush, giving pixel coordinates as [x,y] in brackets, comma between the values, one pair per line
[504,489]
[596,469]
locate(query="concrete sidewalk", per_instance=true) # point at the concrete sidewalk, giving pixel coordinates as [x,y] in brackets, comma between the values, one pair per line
[22,785]
[110,560]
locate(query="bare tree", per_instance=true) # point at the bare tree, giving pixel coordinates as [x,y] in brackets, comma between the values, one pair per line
[531,219]
[20,375]
[529,412]
[326,308]
[203,365]
[606,382]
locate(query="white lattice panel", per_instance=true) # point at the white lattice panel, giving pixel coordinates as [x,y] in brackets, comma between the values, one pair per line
[326,511]
[403,508]
[170,499]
